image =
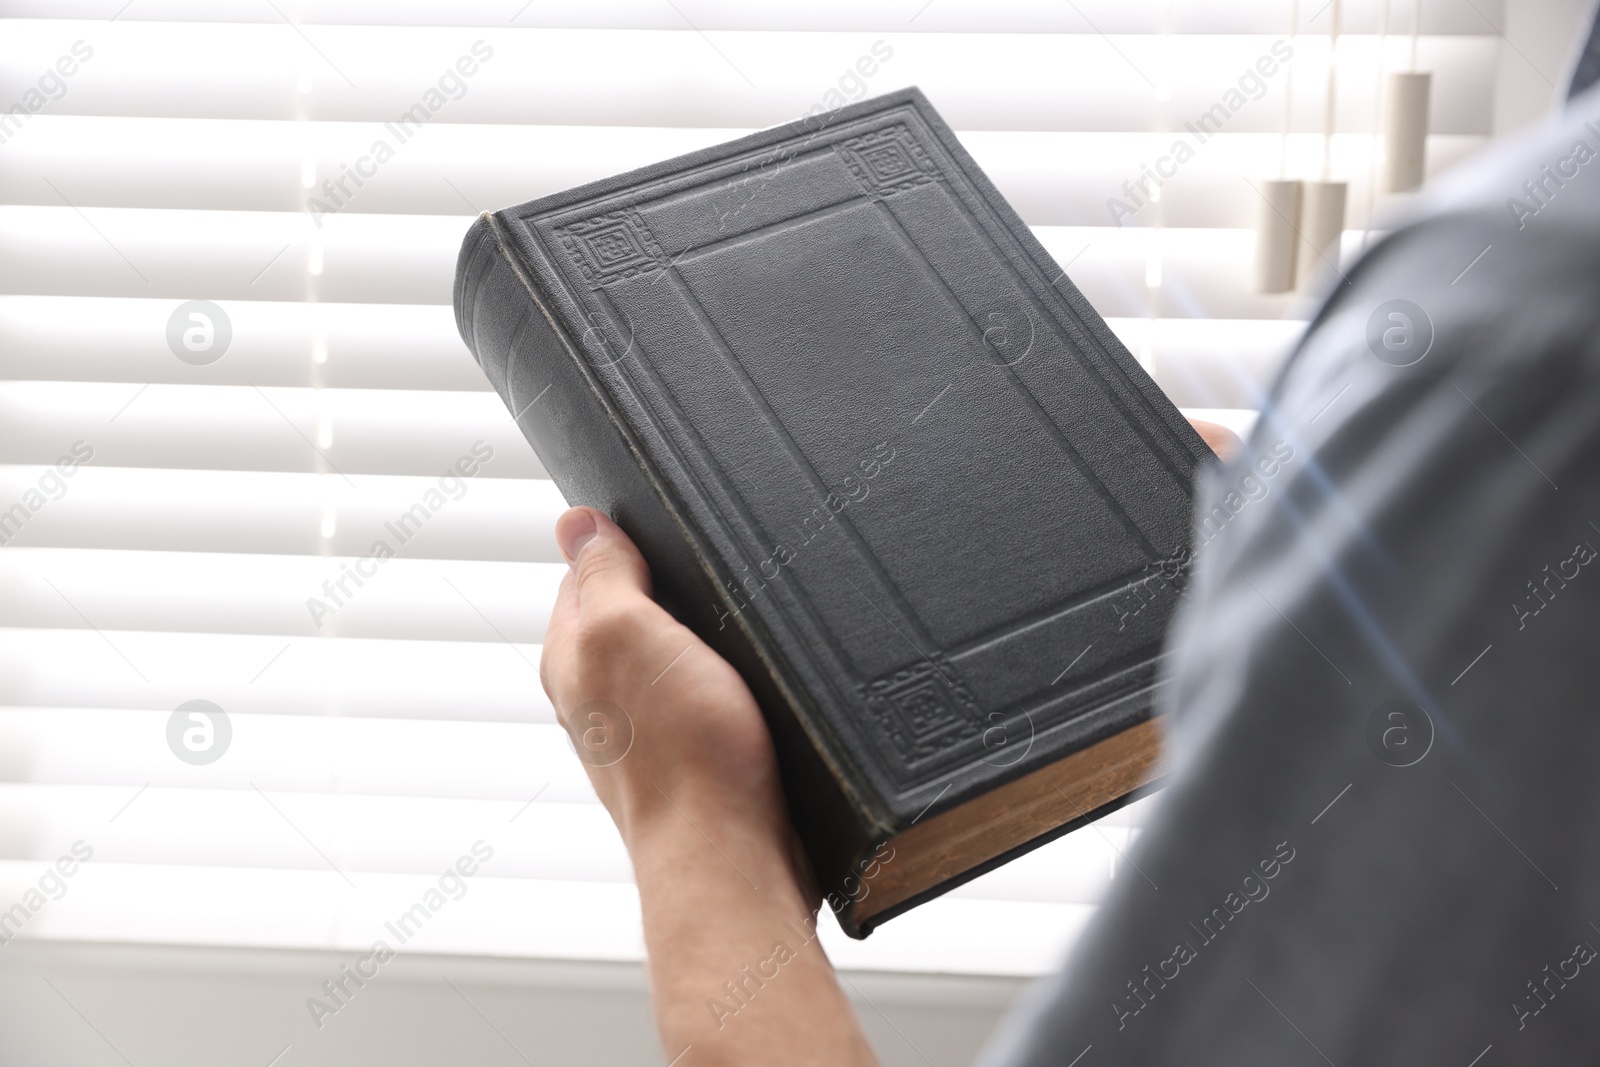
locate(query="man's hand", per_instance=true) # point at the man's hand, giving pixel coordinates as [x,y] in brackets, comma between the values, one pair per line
[680,756]
[655,714]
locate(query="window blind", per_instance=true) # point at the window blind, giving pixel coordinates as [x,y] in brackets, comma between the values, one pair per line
[195,502]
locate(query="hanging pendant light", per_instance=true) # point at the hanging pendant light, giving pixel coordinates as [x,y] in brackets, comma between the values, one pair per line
[1278,205]
[1276,239]
[1322,203]
[1405,121]
[1405,130]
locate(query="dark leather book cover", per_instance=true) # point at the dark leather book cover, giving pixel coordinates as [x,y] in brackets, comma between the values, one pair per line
[882,455]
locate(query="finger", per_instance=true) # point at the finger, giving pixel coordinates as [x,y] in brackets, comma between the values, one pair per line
[1221,440]
[604,560]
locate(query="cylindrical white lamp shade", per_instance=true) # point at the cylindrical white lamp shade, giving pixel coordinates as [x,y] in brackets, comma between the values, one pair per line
[1276,223]
[1405,130]
[1321,226]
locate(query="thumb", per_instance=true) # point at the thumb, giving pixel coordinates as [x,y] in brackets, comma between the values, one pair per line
[603,558]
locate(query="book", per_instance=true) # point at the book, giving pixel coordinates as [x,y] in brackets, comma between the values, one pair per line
[879,453]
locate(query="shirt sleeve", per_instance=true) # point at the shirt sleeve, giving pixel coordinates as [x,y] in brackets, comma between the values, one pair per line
[1380,836]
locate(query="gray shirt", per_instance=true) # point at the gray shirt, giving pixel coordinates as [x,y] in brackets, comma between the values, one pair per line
[1380,838]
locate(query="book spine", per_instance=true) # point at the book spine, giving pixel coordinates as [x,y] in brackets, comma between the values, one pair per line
[535,363]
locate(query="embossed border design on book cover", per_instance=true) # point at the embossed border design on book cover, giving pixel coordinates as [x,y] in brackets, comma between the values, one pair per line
[888,161]
[612,247]
[923,710]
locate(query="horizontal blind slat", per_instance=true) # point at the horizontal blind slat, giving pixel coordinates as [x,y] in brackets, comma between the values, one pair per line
[736,79]
[248,428]
[359,834]
[972,16]
[1214,362]
[410,259]
[355,833]
[267,511]
[274,344]
[497,917]
[501,761]
[273,675]
[294,596]
[457,438]
[1050,178]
